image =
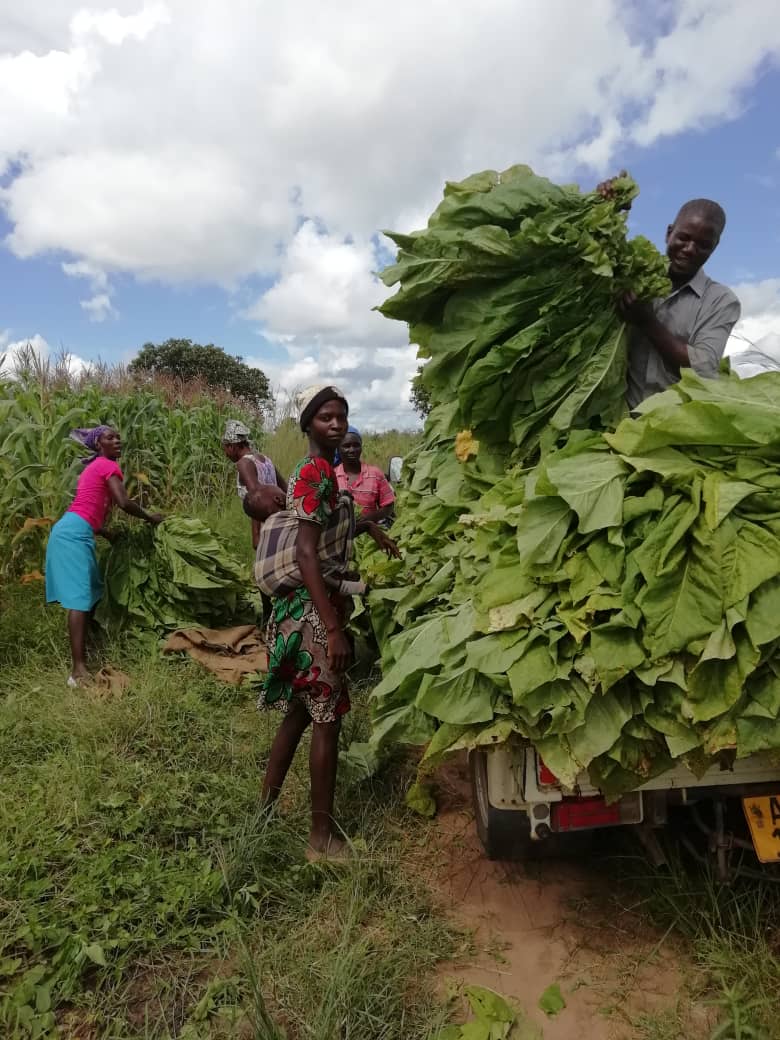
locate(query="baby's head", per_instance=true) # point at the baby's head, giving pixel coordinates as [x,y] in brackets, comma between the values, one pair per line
[263,501]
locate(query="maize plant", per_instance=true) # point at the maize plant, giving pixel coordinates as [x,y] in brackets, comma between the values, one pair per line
[171,455]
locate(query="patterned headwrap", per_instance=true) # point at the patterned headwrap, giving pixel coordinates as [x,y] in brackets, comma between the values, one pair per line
[235,432]
[89,440]
[313,398]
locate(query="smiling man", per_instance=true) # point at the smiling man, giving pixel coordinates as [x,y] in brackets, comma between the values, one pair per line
[690,327]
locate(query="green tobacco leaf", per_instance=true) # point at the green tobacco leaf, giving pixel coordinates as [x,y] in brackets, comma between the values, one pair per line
[616,651]
[460,699]
[722,496]
[591,484]
[542,527]
[551,1001]
[687,602]
[419,798]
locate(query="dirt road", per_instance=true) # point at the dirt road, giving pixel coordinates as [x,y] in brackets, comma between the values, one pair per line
[562,922]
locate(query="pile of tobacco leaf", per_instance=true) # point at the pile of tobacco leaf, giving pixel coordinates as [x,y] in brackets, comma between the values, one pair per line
[606,587]
[175,575]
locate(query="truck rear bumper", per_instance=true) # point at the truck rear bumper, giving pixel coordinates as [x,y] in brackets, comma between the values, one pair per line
[515,778]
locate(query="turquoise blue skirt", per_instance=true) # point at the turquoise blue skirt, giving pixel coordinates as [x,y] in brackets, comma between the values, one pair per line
[72,572]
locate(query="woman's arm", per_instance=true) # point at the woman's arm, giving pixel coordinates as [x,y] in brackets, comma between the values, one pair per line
[375,515]
[306,543]
[129,505]
[383,541]
[247,472]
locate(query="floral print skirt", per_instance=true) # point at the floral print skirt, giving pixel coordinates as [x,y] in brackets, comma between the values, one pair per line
[298,667]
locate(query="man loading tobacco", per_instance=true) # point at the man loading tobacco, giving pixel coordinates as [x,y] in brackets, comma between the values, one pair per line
[690,327]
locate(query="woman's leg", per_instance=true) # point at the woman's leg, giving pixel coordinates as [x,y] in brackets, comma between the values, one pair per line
[323,762]
[283,750]
[77,628]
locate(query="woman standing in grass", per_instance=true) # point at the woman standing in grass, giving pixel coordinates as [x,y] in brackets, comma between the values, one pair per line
[368,485]
[252,468]
[302,561]
[72,573]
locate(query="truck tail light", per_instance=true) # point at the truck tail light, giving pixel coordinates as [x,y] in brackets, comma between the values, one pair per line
[546,776]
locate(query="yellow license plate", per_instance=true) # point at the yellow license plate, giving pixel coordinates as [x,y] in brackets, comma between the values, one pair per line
[763,817]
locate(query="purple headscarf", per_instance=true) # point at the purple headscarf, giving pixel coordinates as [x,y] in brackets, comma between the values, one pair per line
[89,439]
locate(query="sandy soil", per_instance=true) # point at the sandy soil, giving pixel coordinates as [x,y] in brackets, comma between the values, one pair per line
[561,922]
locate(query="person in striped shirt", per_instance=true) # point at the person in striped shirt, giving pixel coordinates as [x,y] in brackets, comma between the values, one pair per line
[367,484]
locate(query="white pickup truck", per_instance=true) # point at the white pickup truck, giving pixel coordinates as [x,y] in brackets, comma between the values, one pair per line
[521,808]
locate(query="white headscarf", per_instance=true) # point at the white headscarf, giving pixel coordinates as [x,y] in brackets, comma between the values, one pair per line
[311,399]
[235,432]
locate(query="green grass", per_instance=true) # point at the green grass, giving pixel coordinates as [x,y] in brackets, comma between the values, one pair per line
[733,934]
[142,895]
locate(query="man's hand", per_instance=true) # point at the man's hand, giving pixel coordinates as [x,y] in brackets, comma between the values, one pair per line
[635,311]
[607,188]
[385,543]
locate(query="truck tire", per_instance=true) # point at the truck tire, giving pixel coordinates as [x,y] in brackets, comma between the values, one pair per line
[504,833]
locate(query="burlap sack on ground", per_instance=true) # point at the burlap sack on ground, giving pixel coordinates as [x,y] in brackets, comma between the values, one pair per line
[229,653]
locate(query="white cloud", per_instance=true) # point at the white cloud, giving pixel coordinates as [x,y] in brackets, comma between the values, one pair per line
[173,142]
[36,349]
[760,314]
[321,311]
[377,386]
[98,306]
[114,27]
[326,287]
[693,86]
[83,269]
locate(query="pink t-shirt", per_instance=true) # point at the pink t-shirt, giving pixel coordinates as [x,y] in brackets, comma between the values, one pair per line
[93,498]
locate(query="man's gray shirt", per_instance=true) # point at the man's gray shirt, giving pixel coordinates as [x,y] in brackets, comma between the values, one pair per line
[701,312]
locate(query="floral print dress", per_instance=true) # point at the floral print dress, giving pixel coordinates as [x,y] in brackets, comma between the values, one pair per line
[298,665]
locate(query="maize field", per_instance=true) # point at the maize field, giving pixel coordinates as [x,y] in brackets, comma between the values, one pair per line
[171,455]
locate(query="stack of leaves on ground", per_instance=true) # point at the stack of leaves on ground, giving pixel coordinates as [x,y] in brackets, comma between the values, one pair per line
[616,602]
[175,575]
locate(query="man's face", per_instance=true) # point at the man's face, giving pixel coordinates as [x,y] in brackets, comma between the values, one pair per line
[690,242]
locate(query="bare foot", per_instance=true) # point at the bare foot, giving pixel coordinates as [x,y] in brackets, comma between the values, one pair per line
[79,677]
[328,848]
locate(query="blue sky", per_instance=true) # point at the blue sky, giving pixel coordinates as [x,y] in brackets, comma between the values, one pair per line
[238,202]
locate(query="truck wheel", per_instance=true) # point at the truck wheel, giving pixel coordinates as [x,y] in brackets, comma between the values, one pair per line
[504,833]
